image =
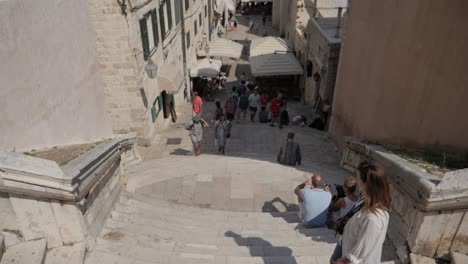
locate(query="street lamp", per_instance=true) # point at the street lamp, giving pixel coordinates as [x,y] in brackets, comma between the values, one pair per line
[151,69]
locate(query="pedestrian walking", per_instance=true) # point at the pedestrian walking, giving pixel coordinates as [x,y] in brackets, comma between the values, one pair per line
[275,109]
[264,100]
[263,20]
[231,106]
[243,104]
[195,128]
[222,133]
[197,106]
[254,98]
[218,112]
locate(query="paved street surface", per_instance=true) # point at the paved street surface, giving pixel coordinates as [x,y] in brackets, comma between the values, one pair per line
[232,208]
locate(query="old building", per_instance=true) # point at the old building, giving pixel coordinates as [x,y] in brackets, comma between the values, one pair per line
[402,77]
[134,34]
[107,67]
[314,27]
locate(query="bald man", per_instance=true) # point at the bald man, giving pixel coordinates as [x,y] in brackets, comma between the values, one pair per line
[313,201]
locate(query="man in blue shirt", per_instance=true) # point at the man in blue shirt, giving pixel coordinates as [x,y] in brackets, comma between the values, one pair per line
[313,201]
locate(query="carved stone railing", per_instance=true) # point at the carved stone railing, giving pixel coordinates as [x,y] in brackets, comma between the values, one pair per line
[428,215]
[67,204]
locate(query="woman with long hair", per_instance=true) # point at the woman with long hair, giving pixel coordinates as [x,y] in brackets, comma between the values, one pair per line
[364,234]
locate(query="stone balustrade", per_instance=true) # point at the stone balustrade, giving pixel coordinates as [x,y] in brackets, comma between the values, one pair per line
[68,204]
[428,215]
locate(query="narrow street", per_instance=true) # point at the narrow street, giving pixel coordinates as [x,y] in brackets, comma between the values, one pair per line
[249,164]
[232,208]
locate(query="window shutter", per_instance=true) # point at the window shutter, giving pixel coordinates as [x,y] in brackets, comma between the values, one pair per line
[169,14]
[177,11]
[195,28]
[199,20]
[144,38]
[188,39]
[162,23]
[154,22]
[187,5]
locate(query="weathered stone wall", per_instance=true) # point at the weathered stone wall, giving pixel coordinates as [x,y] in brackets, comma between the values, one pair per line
[396,67]
[426,218]
[122,63]
[118,66]
[52,91]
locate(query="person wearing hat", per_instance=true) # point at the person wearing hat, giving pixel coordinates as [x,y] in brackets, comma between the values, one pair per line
[195,128]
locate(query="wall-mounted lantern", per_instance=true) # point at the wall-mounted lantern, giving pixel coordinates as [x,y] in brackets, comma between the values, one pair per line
[151,69]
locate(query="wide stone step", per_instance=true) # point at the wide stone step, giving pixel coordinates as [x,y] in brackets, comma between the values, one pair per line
[31,252]
[266,223]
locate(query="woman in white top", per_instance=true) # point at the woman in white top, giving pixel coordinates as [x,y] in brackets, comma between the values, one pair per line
[364,234]
[343,205]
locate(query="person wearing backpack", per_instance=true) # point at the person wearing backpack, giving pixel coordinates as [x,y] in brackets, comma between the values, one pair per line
[243,104]
[195,128]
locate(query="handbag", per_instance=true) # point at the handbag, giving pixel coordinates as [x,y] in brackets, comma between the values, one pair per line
[340,223]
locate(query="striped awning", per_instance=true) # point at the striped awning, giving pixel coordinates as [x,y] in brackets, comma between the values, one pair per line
[275,65]
[222,48]
[272,56]
[268,45]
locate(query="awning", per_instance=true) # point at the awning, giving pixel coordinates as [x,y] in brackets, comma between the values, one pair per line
[272,56]
[170,78]
[275,65]
[206,68]
[258,1]
[222,48]
[268,45]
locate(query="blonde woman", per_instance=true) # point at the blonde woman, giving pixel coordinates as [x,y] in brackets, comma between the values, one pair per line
[343,205]
[364,234]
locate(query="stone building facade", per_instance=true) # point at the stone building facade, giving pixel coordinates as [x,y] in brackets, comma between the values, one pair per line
[310,25]
[129,33]
[398,83]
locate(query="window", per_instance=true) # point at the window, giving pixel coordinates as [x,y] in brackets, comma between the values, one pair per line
[187,5]
[195,28]
[144,38]
[154,23]
[206,10]
[162,23]
[177,11]
[187,37]
[169,14]
[199,19]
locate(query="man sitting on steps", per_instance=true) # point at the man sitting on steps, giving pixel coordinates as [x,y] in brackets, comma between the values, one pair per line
[314,201]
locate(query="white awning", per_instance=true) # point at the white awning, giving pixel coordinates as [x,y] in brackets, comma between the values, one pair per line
[206,68]
[272,56]
[222,48]
[275,65]
[170,78]
[268,45]
[258,1]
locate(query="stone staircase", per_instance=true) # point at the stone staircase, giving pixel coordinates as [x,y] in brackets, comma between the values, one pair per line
[144,229]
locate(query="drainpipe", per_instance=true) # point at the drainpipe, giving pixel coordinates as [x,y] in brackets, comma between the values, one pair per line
[315,9]
[209,20]
[338,22]
[184,52]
